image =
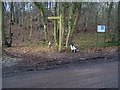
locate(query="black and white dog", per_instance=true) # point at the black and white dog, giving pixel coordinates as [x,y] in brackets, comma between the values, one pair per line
[73,48]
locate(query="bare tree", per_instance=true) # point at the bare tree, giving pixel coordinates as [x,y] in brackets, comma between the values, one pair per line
[119,21]
[0,27]
[76,7]
[109,16]
[31,30]
[44,19]
[55,26]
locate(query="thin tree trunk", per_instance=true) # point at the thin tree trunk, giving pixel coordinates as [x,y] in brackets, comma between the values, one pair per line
[63,22]
[19,12]
[72,30]
[39,20]
[11,21]
[119,21]
[55,25]
[76,19]
[1,26]
[16,12]
[12,11]
[4,40]
[23,21]
[41,8]
[69,31]
[31,22]
[108,23]
[69,25]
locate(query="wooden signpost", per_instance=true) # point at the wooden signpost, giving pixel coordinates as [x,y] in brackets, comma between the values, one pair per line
[60,29]
[101,29]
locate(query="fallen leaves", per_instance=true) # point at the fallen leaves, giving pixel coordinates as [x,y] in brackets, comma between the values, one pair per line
[40,59]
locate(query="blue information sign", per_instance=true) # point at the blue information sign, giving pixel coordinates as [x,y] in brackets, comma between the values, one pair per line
[101,28]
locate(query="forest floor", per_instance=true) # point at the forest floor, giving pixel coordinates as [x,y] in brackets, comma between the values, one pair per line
[18,60]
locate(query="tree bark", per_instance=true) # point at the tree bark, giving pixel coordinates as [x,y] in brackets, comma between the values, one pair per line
[11,21]
[118,21]
[31,30]
[69,24]
[4,40]
[1,26]
[55,26]
[63,22]
[108,23]
[76,19]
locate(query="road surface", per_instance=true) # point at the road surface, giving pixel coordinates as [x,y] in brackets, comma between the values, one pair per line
[98,73]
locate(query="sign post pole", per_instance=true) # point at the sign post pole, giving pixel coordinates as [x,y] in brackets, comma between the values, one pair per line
[101,29]
[60,30]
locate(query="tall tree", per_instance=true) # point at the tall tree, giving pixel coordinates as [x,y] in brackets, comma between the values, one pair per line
[31,30]
[7,40]
[4,40]
[23,21]
[0,27]
[11,21]
[55,26]
[44,19]
[16,12]
[118,21]
[63,21]
[109,16]
[73,20]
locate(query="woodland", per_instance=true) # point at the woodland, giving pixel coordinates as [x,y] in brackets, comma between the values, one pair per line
[39,35]
[56,25]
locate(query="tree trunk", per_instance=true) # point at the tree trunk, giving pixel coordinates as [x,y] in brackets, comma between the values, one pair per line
[63,22]
[42,11]
[22,24]
[55,26]
[119,21]
[11,21]
[1,26]
[31,30]
[12,13]
[69,25]
[72,30]
[76,19]
[108,23]
[16,12]
[4,40]
[69,31]
[9,41]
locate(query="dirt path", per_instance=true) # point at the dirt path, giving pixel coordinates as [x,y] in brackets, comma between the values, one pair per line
[87,74]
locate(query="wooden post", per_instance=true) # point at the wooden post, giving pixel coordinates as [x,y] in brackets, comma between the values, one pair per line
[53,17]
[60,30]
[60,34]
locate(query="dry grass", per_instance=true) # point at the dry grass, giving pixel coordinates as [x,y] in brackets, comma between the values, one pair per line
[89,40]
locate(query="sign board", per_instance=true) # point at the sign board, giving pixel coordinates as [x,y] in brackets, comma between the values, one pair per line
[100,28]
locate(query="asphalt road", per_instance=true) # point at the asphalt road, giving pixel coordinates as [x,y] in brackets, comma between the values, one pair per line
[83,74]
